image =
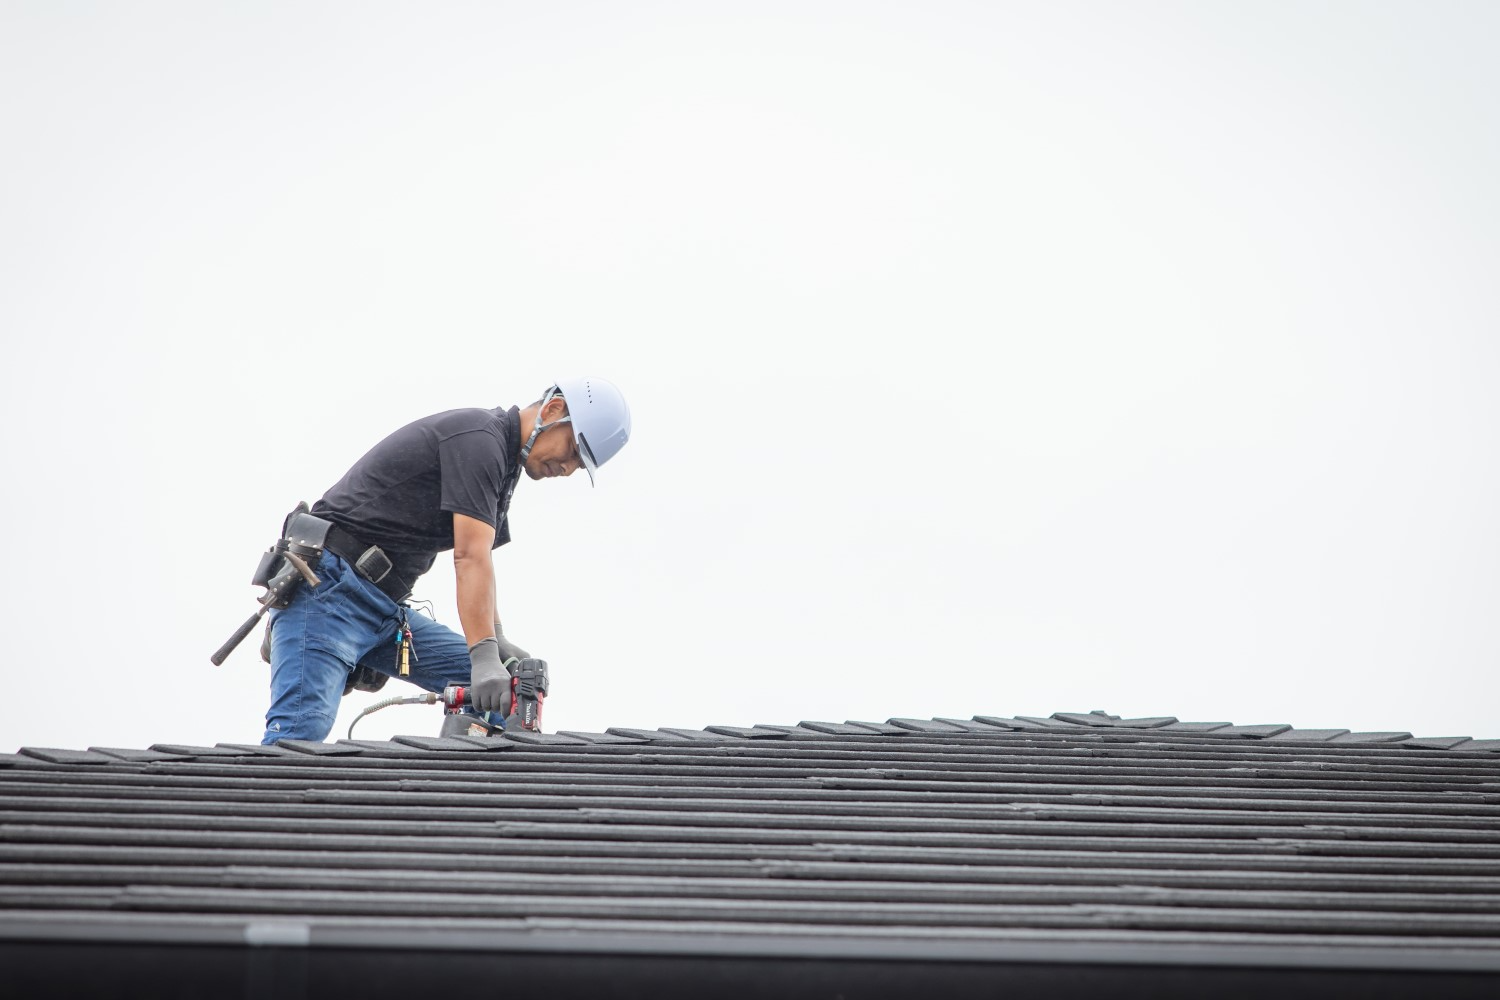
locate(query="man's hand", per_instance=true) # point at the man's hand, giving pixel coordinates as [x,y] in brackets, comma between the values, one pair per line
[508,648]
[489,681]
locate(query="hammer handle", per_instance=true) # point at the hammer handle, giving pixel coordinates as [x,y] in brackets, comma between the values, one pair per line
[238,637]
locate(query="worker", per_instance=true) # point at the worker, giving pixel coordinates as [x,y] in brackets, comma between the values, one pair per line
[439,483]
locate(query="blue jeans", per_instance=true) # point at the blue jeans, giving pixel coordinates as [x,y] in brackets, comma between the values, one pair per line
[319,638]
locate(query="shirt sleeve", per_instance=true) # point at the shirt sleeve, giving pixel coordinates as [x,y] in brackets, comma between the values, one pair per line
[471,469]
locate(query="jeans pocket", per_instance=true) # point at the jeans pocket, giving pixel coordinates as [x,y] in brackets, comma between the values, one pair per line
[336,577]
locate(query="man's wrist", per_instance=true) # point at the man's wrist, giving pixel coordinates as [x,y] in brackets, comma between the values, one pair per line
[485,651]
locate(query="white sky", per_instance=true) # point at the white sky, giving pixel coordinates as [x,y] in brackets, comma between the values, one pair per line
[985,358]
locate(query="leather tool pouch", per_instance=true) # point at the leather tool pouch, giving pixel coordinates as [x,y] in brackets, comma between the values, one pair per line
[270,562]
[364,679]
[304,533]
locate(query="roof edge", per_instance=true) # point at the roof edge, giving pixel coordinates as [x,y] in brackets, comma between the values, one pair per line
[947,944]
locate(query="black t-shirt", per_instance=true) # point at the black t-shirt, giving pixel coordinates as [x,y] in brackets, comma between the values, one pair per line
[403,493]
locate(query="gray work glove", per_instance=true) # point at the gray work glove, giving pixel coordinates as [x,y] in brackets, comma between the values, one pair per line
[489,681]
[507,648]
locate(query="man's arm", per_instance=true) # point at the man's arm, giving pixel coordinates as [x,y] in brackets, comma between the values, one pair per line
[475,570]
[489,681]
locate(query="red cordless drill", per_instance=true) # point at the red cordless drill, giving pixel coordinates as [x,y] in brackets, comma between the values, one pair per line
[528,690]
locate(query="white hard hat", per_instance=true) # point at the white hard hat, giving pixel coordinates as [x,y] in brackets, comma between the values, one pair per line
[600,419]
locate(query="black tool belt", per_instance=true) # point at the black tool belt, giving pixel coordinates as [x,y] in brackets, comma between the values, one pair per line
[369,561]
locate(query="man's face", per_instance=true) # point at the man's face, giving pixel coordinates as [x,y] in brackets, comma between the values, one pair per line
[555,452]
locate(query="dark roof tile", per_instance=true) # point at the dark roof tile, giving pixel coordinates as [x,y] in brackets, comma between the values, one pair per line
[54,755]
[1044,723]
[927,725]
[1006,724]
[1100,718]
[810,732]
[1371,738]
[450,744]
[1265,731]
[747,732]
[383,748]
[184,750]
[1307,735]
[879,728]
[1436,742]
[139,756]
[343,748]
[966,725]
[1094,718]
[255,749]
[603,738]
[917,835]
[653,735]
[696,734]
[524,737]
[833,729]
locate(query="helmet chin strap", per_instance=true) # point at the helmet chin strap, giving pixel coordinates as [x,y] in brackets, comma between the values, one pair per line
[538,426]
[536,429]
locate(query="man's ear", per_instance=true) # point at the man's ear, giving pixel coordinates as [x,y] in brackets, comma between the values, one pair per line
[556,409]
